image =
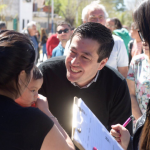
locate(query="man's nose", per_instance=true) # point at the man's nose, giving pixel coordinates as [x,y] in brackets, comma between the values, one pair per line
[75,61]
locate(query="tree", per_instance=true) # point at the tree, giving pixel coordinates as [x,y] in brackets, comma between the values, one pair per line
[70,10]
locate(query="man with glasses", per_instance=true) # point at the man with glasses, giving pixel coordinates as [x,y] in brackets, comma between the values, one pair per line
[63,34]
[118,59]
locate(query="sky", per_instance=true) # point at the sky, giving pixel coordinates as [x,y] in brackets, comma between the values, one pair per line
[131,3]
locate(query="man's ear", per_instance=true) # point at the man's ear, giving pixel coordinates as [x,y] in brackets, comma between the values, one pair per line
[103,63]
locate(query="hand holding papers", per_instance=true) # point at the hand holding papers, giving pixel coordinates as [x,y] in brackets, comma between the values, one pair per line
[88,131]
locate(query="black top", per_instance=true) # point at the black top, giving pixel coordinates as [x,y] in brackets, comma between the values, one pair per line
[134,141]
[44,39]
[108,98]
[22,128]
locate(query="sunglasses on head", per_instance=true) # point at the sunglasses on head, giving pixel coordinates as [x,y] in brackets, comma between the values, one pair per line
[61,31]
[141,37]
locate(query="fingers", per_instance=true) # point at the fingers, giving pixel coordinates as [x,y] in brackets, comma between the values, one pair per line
[116,135]
[117,127]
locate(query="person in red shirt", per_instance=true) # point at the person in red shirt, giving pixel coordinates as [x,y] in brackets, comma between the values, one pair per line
[51,43]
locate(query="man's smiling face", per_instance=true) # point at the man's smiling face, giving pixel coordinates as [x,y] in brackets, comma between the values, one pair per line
[81,61]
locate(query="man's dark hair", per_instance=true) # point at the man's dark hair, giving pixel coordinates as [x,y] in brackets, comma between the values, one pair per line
[2,24]
[64,23]
[142,18]
[117,23]
[99,33]
[37,74]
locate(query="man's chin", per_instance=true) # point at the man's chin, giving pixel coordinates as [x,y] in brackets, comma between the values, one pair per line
[71,79]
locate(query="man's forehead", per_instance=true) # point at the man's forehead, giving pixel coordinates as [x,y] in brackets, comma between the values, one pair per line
[93,11]
[79,38]
[62,26]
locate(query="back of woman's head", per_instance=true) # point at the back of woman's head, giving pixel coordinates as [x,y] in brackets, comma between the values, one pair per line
[16,54]
[117,23]
[142,18]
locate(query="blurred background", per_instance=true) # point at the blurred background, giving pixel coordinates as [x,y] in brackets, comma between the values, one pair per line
[47,13]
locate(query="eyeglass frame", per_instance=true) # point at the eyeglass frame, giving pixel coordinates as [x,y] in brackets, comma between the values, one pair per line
[141,37]
[61,31]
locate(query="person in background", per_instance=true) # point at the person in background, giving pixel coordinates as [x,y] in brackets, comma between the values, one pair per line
[31,31]
[138,80]
[64,32]
[38,39]
[51,43]
[135,46]
[43,40]
[118,59]
[116,28]
[23,127]
[141,138]
[2,26]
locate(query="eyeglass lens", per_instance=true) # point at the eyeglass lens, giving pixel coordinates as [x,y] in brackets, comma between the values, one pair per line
[61,31]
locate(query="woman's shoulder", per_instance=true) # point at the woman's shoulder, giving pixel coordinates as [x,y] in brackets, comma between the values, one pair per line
[138,58]
[35,115]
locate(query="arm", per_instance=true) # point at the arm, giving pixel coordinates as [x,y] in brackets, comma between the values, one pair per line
[121,135]
[121,106]
[55,141]
[123,71]
[122,57]
[42,104]
[135,107]
[48,56]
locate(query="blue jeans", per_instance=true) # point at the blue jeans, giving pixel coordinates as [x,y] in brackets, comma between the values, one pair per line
[44,49]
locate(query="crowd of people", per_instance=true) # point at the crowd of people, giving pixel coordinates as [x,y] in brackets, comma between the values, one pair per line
[100,61]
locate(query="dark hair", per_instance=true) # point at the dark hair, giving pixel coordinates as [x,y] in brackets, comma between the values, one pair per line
[145,135]
[64,23]
[16,54]
[117,23]
[37,74]
[2,24]
[99,33]
[134,25]
[141,17]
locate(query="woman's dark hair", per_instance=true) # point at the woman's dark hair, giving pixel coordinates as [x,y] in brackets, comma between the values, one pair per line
[142,18]
[37,74]
[99,33]
[117,23]
[134,25]
[16,54]
[145,136]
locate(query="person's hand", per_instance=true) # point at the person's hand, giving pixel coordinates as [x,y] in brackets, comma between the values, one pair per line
[39,45]
[121,135]
[145,48]
[48,56]
[42,104]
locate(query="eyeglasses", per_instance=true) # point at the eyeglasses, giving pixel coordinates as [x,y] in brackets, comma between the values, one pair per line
[61,31]
[141,37]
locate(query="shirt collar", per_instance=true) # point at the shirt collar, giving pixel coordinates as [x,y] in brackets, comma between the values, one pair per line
[86,86]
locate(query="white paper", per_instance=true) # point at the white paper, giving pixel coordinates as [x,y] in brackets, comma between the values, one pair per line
[93,133]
